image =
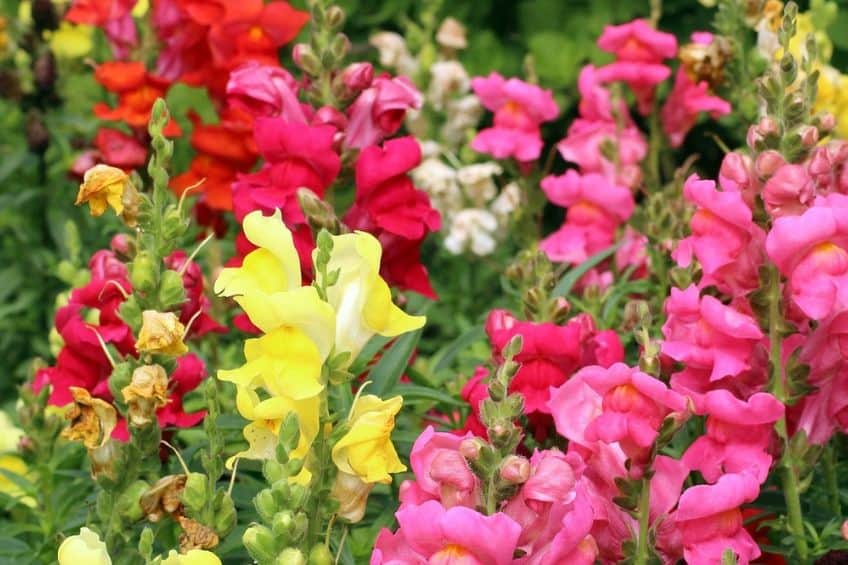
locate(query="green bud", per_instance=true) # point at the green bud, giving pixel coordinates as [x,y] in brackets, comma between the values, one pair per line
[282,524]
[282,487]
[273,471]
[301,525]
[265,504]
[513,348]
[144,272]
[339,47]
[145,543]
[294,466]
[128,502]
[289,433]
[260,543]
[307,60]
[130,312]
[290,556]
[335,17]
[194,493]
[225,514]
[320,555]
[173,225]
[120,377]
[298,496]
[171,290]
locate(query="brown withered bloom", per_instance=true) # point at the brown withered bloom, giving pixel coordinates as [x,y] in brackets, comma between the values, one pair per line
[352,494]
[146,393]
[91,419]
[163,498]
[706,61]
[195,535]
[161,332]
[109,187]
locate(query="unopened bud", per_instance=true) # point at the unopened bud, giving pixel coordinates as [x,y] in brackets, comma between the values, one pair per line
[827,122]
[470,448]
[515,469]
[339,46]
[265,504]
[844,529]
[194,492]
[290,556]
[809,136]
[260,543]
[320,555]
[329,116]
[767,163]
[357,77]
[306,59]
[37,136]
[767,126]
[334,17]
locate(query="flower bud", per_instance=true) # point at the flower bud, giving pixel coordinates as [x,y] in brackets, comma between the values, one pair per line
[470,448]
[844,529]
[827,122]
[144,274]
[809,136]
[123,246]
[260,543]
[128,503]
[85,547]
[515,469]
[451,34]
[37,136]
[171,289]
[357,77]
[194,492]
[320,555]
[225,514]
[44,73]
[306,59]
[339,47]
[753,138]
[334,17]
[266,504]
[767,126]
[290,556]
[767,163]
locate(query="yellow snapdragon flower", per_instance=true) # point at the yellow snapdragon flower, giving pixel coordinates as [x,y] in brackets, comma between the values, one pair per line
[366,450]
[85,547]
[361,298]
[191,557]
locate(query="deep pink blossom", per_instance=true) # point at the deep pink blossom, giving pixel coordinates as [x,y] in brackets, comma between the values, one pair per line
[710,520]
[811,250]
[737,435]
[263,90]
[642,78]
[789,191]
[638,41]
[430,534]
[685,102]
[725,240]
[520,108]
[441,472]
[379,111]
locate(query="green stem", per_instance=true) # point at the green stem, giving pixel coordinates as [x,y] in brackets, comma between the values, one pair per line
[641,557]
[831,480]
[789,476]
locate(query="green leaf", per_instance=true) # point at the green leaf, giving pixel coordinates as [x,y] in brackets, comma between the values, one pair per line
[412,392]
[449,353]
[568,280]
[388,370]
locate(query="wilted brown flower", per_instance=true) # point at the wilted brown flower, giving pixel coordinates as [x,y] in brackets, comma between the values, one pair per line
[146,393]
[161,332]
[103,187]
[92,419]
[352,494]
[195,535]
[706,62]
[163,498]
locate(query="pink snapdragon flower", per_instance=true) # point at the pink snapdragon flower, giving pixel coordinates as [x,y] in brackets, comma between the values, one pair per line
[634,405]
[430,534]
[520,108]
[737,174]
[705,334]
[789,191]
[710,520]
[685,102]
[725,239]
[596,207]
[262,90]
[811,251]
[640,51]
[379,110]
[737,435]
[823,412]
[637,41]
[441,472]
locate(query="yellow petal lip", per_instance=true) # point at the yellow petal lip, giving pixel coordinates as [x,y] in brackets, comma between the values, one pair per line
[269,232]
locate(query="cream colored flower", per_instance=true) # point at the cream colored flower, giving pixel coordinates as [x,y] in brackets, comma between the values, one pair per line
[146,393]
[161,333]
[85,548]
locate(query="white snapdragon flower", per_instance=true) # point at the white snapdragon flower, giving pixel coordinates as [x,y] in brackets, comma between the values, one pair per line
[477,182]
[473,229]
